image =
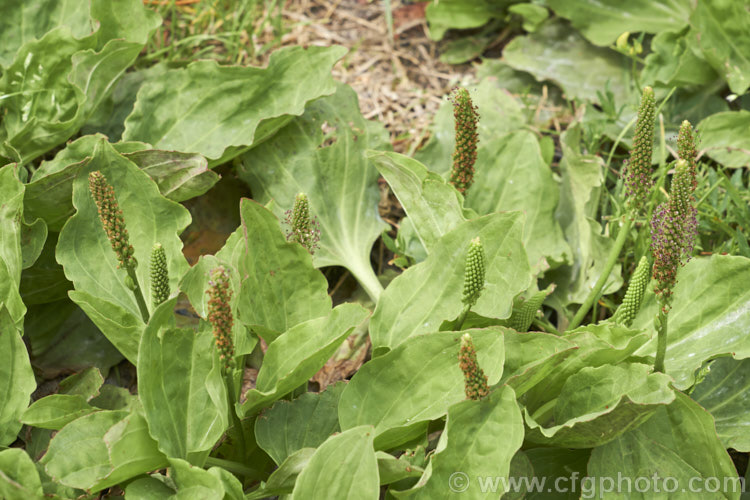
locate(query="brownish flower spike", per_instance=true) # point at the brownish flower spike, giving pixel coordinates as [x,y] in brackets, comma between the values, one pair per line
[220,314]
[111,217]
[465,154]
[475,381]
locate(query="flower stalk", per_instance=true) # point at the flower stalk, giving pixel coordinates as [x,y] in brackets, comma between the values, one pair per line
[638,182]
[113,223]
[674,226]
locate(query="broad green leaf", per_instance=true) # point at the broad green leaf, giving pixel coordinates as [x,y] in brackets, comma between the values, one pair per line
[417,381]
[678,442]
[299,353]
[86,383]
[533,357]
[557,53]
[556,467]
[84,250]
[179,176]
[322,154]
[45,282]
[132,450]
[16,378]
[596,345]
[194,482]
[391,469]
[77,455]
[33,237]
[282,480]
[722,32]
[220,111]
[121,327]
[55,82]
[532,14]
[343,467]
[426,294]
[479,441]
[149,488]
[232,486]
[511,174]
[305,422]
[56,410]
[675,61]
[280,286]
[433,205]
[19,479]
[458,14]
[602,21]
[24,21]
[696,334]
[63,339]
[723,137]
[181,387]
[582,178]
[598,404]
[11,255]
[725,393]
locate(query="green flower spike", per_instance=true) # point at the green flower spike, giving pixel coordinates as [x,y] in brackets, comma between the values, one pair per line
[304,229]
[638,171]
[111,217]
[474,273]
[220,314]
[523,316]
[159,275]
[475,381]
[686,149]
[465,154]
[631,303]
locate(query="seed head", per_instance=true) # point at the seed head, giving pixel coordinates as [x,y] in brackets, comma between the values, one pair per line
[522,317]
[475,381]
[159,275]
[111,218]
[465,154]
[638,170]
[474,273]
[220,314]
[673,229]
[305,230]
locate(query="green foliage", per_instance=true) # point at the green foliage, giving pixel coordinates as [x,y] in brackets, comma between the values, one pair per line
[444,376]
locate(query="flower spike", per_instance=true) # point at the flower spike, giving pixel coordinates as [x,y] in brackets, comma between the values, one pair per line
[474,273]
[305,230]
[111,217]
[638,171]
[465,153]
[159,275]
[673,230]
[475,381]
[220,314]
[686,149]
[631,303]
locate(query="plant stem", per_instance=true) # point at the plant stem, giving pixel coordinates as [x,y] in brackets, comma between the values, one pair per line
[661,341]
[236,422]
[138,294]
[235,468]
[543,412]
[462,317]
[614,254]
